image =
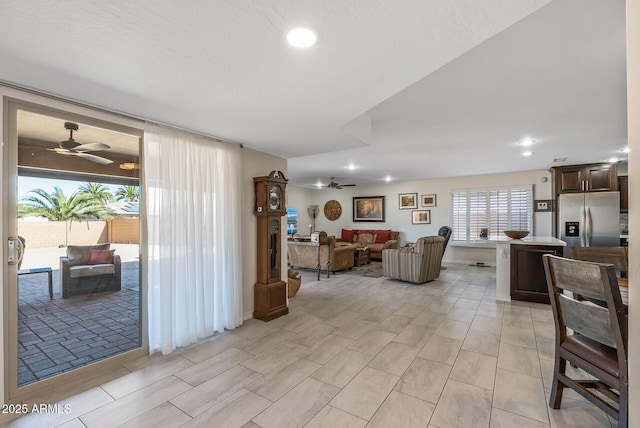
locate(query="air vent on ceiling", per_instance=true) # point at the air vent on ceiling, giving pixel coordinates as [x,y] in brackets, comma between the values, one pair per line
[557,160]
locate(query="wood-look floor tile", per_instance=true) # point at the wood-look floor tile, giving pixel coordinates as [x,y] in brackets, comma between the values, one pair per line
[283,378]
[325,350]
[342,369]
[395,358]
[394,324]
[475,369]
[364,394]
[372,342]
[482,343]
[414,335]
[212,347]
[452,329]
[429,319]
[424,379]
[207,369]
[520,394]
[269,360]
[207,394]
[233,412]
[401,410]
[355,329]
[135,404]
[503,419]
[519,359]
[462,405]
[298,406]
[441,349]
[314,334]
[165,415]
[330,417]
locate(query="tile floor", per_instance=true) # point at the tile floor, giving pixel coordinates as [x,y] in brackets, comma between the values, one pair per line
[353,352]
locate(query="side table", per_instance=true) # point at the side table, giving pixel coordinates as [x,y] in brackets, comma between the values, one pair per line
[362,256]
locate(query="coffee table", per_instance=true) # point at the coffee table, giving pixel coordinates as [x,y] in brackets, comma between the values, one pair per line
[362,256]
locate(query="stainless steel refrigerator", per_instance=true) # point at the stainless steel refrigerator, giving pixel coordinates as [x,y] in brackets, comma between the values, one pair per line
[589,219]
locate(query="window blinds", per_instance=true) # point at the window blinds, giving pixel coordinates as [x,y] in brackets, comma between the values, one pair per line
[496,209]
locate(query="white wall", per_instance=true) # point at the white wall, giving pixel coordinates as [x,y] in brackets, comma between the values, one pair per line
[255,164]
[400,220]
[633,115]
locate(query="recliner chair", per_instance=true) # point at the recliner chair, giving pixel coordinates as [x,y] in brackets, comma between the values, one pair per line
[418,264]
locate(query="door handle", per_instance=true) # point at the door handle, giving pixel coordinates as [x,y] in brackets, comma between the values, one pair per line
[588,228]
[581,228]
[15,251]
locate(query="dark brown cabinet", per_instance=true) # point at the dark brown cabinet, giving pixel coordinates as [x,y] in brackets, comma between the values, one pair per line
[623,186]
[528,281]
[600,177]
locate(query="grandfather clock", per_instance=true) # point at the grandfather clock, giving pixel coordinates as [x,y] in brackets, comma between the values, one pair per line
[270,292]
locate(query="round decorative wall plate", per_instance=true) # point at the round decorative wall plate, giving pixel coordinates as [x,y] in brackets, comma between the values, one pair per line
[332,210]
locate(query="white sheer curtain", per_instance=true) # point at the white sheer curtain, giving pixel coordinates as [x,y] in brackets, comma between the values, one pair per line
[193,188]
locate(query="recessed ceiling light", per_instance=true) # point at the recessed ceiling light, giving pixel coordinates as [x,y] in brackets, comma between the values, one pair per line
[351,167]
[301,37]
[527,153]
[527,142]
[613,160]
[319,184]
[625,150]
[387,178]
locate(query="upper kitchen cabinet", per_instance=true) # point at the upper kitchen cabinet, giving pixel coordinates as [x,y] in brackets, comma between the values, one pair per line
[623,185]
[597,177]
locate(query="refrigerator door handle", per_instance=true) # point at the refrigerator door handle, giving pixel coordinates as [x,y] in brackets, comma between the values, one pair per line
[588,227]
[581,231]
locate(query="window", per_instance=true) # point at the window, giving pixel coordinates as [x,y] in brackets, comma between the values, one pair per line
[495,209]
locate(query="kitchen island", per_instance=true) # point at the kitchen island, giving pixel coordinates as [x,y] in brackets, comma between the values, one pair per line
[519,269]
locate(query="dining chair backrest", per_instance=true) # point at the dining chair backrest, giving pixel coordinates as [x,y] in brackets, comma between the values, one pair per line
[617,256]
[601,327]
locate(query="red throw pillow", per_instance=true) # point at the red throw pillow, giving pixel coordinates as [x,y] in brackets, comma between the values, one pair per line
[101,257]
[382,236]
[347,235]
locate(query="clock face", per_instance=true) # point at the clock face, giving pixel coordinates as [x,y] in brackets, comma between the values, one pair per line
[275,198]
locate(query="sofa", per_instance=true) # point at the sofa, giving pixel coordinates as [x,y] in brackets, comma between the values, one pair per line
[305,255]
[377,240]
[417,264]
[89,269]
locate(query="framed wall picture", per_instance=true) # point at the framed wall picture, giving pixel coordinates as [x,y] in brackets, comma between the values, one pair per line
[408,201]
[429,200]
[421,217]
[368,208]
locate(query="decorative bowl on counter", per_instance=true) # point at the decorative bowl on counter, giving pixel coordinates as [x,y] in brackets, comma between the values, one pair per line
[516,234]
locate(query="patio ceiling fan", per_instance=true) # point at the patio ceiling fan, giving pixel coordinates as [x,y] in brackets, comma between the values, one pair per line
[73,148]
[334,185]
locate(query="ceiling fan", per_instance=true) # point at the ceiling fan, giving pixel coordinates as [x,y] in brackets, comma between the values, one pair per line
[334,185]
[73,148]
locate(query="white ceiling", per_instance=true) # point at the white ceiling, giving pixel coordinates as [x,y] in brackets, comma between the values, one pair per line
[411,89]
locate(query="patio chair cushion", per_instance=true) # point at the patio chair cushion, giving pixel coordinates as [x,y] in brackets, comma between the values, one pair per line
[81,254]
[91,270]
[101,257]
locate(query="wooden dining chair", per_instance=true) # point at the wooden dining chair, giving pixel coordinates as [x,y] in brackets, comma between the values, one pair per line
[598,344]
[617,256]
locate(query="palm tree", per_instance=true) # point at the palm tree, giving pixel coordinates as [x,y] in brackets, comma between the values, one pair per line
[57,207]
[128,193]
[100,192]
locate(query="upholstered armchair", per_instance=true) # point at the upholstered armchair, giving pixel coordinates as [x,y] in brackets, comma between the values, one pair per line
[89,269]
[418,264]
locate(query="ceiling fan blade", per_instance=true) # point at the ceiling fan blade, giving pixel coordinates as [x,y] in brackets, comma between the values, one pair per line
[347,185]
[93,158]
[91,147]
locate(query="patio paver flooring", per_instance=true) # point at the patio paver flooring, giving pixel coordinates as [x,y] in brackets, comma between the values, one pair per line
[57,335]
